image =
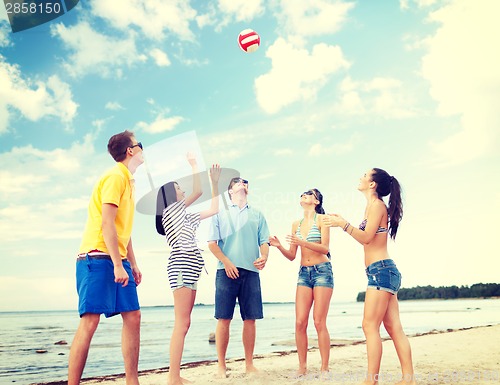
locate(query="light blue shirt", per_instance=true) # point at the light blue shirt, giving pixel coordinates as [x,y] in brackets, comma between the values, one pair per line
[239,233]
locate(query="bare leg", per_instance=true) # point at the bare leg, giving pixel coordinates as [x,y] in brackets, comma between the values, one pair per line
[221,342]
[183,305]
[376,303]
[392,324]
[303,303]
[80,347]
[322,297]
[131,341]
[248,336]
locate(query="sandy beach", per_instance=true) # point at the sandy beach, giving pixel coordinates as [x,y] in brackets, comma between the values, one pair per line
[466,356]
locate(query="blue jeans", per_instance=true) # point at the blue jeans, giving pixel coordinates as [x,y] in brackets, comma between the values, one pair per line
[245,288]
[316,275]
[384,275]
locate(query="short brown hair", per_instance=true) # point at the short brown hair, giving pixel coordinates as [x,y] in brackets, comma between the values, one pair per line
[118,144]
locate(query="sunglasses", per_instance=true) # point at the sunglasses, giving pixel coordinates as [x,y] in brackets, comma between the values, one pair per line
[139,144]
[308,193]
[239,180]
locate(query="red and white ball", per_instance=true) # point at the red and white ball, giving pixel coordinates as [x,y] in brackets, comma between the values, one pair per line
[249,40]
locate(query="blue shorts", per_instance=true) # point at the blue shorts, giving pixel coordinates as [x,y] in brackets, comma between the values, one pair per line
[245,288]
[384,275]
[181,283]
[316,275]
[98,293]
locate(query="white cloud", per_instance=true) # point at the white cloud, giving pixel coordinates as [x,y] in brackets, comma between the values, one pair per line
[405,4]
[160,57]
[42,191]
[4,34]
[296,74]
[241,10]
[34,100]
[313,17]
[379,96]
[152,17]
[283,152]
[462,67]
[320,149]
[160,124]
[93,52]
[113,106]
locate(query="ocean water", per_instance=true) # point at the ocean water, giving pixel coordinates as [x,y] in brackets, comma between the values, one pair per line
[23,333]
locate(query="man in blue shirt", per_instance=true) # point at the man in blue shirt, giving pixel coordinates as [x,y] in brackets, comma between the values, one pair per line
[239,240]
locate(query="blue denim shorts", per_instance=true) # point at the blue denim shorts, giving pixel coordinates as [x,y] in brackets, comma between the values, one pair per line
[384,275]
[316,275]
[180,283]
[245,288]
[98,293]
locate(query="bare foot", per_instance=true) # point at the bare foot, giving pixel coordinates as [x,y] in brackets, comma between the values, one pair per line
[251,369]
[301,372]
[366,382]
[221,372]
[405,382]
[174,381]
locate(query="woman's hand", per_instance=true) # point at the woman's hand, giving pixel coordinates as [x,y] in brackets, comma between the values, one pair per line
[215,171]
[274,241]
[191,158]
[294,240]
[333,220]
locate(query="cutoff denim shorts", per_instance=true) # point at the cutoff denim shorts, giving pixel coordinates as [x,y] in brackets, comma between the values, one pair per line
[180,283]
[384,275]
[316,275]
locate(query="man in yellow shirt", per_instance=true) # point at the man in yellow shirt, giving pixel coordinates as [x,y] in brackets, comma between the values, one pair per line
[106,269]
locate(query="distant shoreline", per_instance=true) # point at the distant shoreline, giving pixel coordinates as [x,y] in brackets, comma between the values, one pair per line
[265,303]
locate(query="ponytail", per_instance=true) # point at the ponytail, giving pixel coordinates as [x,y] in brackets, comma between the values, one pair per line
[387,184]
[319,207]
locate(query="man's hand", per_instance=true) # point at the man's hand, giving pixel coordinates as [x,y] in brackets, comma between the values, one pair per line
[260,263]
[231,270]
[121,275]
[137,275]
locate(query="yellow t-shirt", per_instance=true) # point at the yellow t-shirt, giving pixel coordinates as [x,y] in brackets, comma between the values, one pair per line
[116,186]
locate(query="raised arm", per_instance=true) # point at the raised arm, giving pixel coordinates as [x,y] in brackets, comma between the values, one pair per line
[196,180]
[214,207]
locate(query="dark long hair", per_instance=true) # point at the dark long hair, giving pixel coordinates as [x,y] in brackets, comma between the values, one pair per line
[320,210]
[388,185]
[319,207]
[166,196]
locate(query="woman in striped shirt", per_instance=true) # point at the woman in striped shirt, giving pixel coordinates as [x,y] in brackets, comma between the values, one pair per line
[185,262]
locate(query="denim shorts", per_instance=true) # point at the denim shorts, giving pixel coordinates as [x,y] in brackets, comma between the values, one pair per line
[245,288]
[316,275]
[98,293]
[384,275]
[180,283]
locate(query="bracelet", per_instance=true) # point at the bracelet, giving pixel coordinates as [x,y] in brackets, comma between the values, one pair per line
[352,228]
[346,226]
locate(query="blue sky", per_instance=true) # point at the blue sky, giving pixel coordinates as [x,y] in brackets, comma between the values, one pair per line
[336,88]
